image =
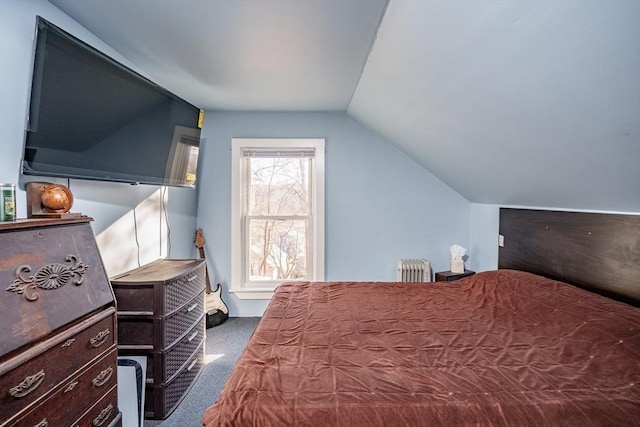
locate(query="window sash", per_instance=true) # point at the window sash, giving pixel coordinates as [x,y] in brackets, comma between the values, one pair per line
[247,217]
[246,192]
[242,150]
[250,281]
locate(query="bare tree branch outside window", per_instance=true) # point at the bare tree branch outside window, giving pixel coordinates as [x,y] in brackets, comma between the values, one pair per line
[278,218]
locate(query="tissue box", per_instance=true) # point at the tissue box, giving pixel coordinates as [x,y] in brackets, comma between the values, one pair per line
[457,266]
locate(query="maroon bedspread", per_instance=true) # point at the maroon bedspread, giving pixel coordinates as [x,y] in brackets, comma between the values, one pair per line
[497,348]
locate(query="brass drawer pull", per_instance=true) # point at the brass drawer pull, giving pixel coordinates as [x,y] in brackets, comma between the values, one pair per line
[43,423]
[27,385]
[192,278]
[193,335]
[192,364]
[68,342]
[99,339]
[103,416]
[71,386]
[195,304]
[103,377]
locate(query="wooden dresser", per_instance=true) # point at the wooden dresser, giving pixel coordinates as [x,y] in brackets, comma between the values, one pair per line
[58,353]
[161,315]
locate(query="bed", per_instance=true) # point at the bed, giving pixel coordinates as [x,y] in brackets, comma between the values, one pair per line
[505,347]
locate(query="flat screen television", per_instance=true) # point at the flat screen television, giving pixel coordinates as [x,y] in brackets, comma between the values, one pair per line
[91,117]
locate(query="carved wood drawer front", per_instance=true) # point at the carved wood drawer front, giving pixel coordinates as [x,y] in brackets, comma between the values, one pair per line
[60,358]
[49,278]
[75,394]
[102,413]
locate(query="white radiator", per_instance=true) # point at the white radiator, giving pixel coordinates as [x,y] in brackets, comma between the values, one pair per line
[413,270]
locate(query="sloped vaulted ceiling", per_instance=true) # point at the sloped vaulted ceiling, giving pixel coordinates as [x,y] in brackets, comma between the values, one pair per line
[532,103]
[521,103]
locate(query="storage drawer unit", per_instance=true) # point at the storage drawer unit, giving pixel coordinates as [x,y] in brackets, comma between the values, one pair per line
[58,359]
[166,364]
[161,315]
[162,400]
[80,391]
[103,413]
[160,332]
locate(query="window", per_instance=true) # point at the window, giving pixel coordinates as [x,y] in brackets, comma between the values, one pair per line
[277,214]
[183,157]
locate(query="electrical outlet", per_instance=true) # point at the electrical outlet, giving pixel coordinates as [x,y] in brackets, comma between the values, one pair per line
[501,240]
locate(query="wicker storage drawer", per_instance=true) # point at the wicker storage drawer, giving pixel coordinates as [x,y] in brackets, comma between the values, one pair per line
[160,287]
[159,332]
[161,315]
[160,401]
[162,366]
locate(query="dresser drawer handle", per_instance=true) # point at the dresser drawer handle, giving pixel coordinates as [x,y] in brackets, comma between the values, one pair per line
[99,339]
[27,385]
[43,423]
[68,342]
[71,386]
[103,416]
[193,335]
[103,377]
[192,364]
[192,278]
[195,304]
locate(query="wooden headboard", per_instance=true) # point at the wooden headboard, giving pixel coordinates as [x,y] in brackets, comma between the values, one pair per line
[599,252]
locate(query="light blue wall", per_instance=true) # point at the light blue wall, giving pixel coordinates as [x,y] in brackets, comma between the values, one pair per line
[108,203]
[380,205]
[484,222]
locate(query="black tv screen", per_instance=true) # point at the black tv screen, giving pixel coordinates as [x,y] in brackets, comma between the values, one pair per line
[91,117]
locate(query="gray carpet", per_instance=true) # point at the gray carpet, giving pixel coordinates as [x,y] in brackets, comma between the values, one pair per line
[224,345]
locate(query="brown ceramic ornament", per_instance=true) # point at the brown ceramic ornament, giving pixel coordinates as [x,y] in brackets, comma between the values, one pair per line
[56,198]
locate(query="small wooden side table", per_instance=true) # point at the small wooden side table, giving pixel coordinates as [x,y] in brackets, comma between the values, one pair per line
[448,276]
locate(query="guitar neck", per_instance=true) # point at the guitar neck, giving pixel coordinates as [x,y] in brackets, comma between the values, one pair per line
[201,250]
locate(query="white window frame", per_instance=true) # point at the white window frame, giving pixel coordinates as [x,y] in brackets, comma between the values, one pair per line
[239,285]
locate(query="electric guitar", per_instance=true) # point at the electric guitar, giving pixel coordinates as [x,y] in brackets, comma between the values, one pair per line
[217,310]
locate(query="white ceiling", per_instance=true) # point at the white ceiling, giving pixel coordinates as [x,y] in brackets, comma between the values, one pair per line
[533,103]
[261,55]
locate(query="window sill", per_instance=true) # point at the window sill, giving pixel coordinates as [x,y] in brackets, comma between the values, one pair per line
[253,293]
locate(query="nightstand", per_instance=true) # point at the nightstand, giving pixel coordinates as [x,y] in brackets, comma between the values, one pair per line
[448,276]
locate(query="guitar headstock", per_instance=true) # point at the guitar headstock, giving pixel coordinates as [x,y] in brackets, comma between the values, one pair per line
[199,239]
